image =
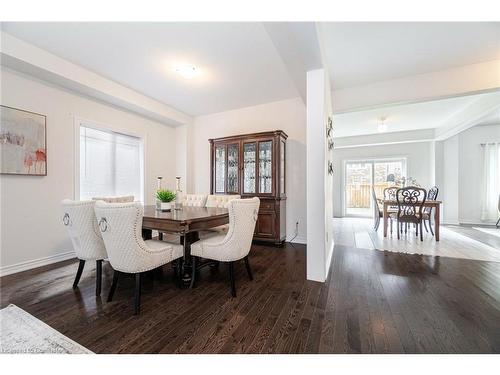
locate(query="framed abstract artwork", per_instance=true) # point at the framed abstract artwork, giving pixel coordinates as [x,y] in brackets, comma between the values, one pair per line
[23,142]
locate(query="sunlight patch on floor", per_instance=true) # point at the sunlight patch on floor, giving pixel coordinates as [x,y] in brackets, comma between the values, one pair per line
[358,232]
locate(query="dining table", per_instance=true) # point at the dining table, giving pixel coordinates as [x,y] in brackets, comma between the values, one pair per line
[434,204]
[187,222]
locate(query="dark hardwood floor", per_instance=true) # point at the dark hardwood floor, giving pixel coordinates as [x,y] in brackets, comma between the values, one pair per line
[372,302]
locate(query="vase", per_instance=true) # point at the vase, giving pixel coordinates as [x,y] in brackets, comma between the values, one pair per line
[165,206]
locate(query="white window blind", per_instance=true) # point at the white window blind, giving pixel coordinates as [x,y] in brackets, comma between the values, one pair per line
[110,164]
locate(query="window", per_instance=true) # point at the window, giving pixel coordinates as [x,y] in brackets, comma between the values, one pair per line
[361,176]
[111,164]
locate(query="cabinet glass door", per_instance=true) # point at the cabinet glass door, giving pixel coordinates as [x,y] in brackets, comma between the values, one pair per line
[249,163]
[265,167]
[232,168]
[220,169]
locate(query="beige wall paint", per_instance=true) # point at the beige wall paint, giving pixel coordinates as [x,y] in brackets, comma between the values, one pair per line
[286,115]
[31,226]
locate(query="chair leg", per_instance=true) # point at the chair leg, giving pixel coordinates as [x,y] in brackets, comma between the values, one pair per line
[391,225]
[421,231]
[98,277]
[399,235]
[425,225]
[78,273]
[416,230]
[137,293]
[116,274]
[249,270]
[231,277]
[193,273]
[430,227]
[498,223]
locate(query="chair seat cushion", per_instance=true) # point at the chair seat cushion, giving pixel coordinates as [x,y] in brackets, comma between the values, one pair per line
[394,215]
[197,248]
[157,246]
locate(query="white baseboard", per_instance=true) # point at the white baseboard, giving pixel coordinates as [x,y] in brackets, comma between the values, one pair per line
[29,264]
[489,223]
[449,222]
[301,240]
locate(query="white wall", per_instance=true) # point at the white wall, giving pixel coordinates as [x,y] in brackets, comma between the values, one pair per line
[30,215]
[462,174]
[319,182]
[470,171]
[287,115]
[449,190]
[418,160]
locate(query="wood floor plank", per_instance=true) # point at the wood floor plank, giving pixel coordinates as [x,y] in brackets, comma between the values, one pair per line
[371,302]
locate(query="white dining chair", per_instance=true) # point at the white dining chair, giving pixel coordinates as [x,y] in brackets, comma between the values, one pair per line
[81,224]
[233,245]
[193,200]
[116,199]
[121,228]
[216,200]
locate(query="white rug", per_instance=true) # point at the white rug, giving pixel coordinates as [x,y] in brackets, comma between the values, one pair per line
[492,231]
[21,332]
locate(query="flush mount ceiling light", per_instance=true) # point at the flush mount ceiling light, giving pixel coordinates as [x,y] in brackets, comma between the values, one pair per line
[187,71]
[382,126]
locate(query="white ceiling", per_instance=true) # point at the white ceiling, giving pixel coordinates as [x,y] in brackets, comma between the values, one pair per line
[405,117]
[239,65]
[359,53]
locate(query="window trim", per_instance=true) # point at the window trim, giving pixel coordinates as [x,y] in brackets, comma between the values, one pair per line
[78,122]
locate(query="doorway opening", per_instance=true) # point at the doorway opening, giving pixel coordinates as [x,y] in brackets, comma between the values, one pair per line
[363,175]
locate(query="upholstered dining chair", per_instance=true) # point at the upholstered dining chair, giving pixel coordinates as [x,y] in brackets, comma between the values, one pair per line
[427,214]
[411,202]
[117,199]
[233,245]
[214,200]
[121,228]
[377,212]
[193,200]
[81,224]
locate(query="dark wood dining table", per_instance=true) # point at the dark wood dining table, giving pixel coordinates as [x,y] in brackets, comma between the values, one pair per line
[187,223]
[436,205]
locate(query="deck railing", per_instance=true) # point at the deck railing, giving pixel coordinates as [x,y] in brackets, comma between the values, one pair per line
[360,195]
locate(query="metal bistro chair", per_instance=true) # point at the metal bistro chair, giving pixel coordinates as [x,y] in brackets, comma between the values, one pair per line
[411,202]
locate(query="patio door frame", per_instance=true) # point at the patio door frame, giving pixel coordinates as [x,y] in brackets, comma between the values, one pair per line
[371,161]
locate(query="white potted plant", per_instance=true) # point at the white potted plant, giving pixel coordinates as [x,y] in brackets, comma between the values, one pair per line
[166,197]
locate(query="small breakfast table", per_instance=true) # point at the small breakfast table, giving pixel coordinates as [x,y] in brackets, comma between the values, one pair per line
[186,222]
[436,205]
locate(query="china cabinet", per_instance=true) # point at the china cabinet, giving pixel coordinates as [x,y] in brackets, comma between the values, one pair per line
[253,165]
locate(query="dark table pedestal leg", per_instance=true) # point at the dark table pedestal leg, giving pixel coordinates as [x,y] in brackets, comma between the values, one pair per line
[187,240]
[147,234]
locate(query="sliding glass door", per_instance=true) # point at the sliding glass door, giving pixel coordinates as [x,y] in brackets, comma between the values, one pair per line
[362,176]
